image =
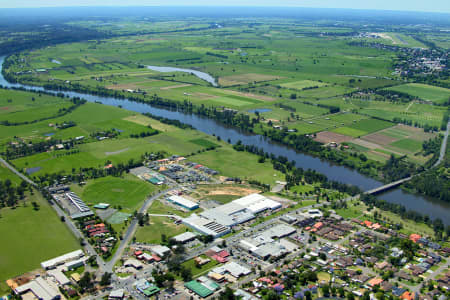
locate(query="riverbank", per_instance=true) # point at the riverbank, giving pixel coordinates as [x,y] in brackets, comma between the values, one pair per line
[233,135]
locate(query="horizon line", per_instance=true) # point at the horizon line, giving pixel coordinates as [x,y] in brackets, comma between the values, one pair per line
[227,6]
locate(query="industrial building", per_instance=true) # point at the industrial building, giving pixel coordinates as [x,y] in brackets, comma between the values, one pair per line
[183,202]
[40,288]
[54,262]
[184,237]
[206,226]
[265,246]
[219,220]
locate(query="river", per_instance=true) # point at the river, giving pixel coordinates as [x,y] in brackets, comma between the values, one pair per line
[201,75]
[431,207]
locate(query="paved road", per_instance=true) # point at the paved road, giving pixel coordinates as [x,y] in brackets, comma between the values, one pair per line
[6,164]
[443,146]
[131,230]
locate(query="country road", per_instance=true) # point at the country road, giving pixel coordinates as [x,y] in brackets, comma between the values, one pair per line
[6,164]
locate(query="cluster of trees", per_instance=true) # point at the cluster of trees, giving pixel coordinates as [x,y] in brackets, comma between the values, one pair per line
[144,134]
[164,120]
[397,168]
[433,182]
[24,149]
[10,194]
[437,224]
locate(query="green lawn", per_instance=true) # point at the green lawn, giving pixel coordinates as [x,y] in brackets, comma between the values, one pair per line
[158,225]
[423,91]
[128,192]
[197,271]
[29,237]
[158,208]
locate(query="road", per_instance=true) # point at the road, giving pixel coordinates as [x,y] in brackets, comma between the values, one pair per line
[6,164]
[131,230]
[443,146]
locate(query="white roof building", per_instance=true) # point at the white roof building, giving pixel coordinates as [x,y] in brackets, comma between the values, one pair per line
[59,276]
[52,263]
[235,269]
[133,263]
[160,250]
[40,288]
[185,237]
[183,202]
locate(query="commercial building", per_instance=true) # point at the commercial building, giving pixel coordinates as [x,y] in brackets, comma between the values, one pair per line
[146,288]
[54,262]
[198,288]
[59,276]
[40,288]
[183,202]
[185,237]
[234,269]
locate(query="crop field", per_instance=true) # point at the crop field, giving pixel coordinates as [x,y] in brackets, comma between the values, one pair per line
[327,123]
[363,127]
[27,239]
[128,192]
[245,79]
[398,140]
[423,91]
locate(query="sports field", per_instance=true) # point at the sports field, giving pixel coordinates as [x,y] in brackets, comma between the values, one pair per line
[128,192]
[423,91]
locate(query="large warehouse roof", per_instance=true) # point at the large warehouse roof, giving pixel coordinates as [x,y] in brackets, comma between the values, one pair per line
[183,202]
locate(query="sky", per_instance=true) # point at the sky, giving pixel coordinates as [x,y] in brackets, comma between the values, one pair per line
[405,5]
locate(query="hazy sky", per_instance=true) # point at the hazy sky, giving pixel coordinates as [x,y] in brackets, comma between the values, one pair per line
[415,5]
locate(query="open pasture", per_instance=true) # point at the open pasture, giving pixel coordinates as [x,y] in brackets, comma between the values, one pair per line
[29,237]
[299,85]
[426,92]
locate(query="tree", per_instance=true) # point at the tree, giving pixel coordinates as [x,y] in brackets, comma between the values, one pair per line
[106,279]
[186,274]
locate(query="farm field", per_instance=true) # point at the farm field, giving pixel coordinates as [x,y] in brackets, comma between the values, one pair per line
[363,127]
[23,229]
[423,91]
[298,85]
[398,140]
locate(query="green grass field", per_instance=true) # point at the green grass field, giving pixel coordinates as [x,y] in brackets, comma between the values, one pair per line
[298,85]
[423,91]
[363,127]
[128,192]
[242,164]
[158,226]
[197,271]
[29,237]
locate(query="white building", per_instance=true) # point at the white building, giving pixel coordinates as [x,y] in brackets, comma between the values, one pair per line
[54,262]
